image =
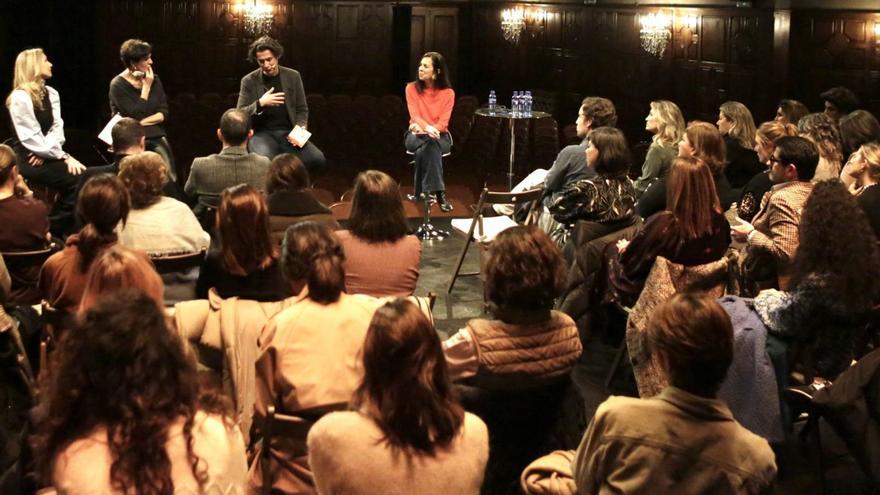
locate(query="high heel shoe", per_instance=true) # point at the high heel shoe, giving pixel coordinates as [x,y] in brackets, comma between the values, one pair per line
[445,205]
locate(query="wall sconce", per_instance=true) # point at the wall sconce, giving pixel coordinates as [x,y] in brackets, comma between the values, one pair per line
[513,21]
[516,20]
[877,38]
[535,19]
[257,17]
[689,29]
[655,33]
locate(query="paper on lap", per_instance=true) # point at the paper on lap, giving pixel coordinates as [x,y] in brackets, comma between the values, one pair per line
[299,136]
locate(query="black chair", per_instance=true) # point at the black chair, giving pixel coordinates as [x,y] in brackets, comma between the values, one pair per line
[24,271]
[178,263]
[487,197]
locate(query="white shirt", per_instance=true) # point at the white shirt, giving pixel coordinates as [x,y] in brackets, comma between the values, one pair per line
[27,128]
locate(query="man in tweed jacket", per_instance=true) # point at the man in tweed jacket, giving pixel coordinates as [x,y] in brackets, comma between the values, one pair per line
[773,239]
[234,165]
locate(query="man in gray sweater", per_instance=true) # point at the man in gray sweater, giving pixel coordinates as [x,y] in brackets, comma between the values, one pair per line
[234,165]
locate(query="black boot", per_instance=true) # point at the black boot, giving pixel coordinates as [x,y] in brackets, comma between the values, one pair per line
[445,205]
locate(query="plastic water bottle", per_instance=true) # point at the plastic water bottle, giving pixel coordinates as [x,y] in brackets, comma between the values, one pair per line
[528,104]
[515,104]
[493,100]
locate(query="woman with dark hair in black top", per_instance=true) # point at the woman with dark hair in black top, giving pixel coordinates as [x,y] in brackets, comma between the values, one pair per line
[137,92]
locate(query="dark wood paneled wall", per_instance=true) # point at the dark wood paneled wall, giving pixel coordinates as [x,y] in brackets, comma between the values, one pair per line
[756,55]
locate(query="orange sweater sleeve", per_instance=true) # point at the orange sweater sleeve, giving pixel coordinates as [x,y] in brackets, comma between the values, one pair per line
[433,107]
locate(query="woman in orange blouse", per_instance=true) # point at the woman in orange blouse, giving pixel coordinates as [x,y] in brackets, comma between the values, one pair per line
[429,100]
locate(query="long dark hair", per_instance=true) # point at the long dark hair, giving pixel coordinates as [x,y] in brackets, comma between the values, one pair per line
[836,240]
[406,387]
[440,71]
[123,369]
[243,231]
[376,209]
[311,252]
[103,202]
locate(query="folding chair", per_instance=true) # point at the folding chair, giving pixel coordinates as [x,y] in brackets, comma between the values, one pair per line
[288,426]
[484,236]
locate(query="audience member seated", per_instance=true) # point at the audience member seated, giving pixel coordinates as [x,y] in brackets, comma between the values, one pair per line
[736,124]
[772,238]
[528,344]
[757,187]
[683,441]
[835,282]
[608,197]
[790,112]
[102,204]
[234,165]
[822,131]
[311,351]
[381,257]
[666,123]
[119,268]
[704,141]
[25,222]
[290,197]
[407,432]
[157,225]
[864,168]
[839,101]
[124,412]
[35,112]
[128,139]
[571,163]
[691,231]
[245,263]
[858,128]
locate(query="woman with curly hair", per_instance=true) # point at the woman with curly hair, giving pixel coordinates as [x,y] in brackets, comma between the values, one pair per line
[822,131]
[736,124]
[245,264]
[765,144]
[666,123]
[124,415]
[527,343]
[835,282]
[406,432]
[157,224]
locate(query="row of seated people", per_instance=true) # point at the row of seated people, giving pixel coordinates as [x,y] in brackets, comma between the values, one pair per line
[612,233]
[309,356]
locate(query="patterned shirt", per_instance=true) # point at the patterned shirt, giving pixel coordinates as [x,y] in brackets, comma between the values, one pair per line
[597,199]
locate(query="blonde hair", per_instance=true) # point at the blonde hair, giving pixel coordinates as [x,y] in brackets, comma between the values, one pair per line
[871,154]
[822,131]
[671,122]
[769,132]
[28,76]
[743,129]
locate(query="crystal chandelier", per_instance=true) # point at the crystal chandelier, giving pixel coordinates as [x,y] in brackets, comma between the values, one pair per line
[256,17]
[655,33]
[513,21]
